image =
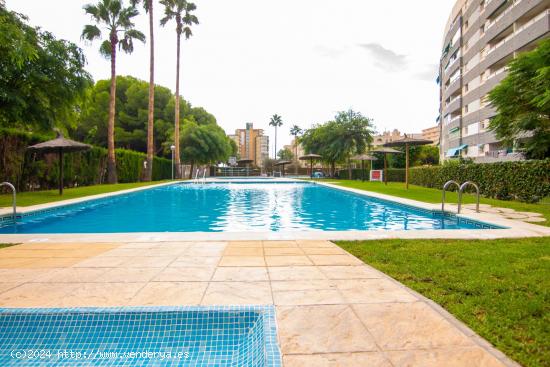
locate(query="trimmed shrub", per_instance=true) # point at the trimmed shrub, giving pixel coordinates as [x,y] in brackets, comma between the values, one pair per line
[527,181]
[30,171]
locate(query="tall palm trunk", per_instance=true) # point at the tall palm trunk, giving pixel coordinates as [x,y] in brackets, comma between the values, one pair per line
[111,159]
[177,114]
[151,115]
[295,156]
[275,142]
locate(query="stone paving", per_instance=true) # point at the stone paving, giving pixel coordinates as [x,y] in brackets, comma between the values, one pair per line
[332,309]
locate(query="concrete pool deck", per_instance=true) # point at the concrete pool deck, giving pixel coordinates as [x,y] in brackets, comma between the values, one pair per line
[513,228]
[332,309]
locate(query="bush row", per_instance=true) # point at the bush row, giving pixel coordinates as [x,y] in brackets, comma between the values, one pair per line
[527,181]
[36,171]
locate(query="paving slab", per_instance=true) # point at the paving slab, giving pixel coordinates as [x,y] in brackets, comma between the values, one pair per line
[332,309]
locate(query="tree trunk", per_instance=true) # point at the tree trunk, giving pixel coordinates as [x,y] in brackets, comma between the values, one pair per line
[177,114]
[111,159]
[151,115]
[332,169]
[349,170]
[295,156]
[191,170]
[275,142]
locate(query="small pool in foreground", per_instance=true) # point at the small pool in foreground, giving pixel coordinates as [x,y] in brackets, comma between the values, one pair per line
[242,336]
[236,207]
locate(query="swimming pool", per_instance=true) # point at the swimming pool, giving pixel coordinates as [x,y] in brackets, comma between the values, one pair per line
[236,207]
[161,336]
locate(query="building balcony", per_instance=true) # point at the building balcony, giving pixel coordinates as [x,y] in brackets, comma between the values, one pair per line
[453,87]
[454,105]
[524,35]
[492,5]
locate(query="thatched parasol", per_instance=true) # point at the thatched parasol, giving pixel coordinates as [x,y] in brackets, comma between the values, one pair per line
[310,157]
[282,163]
[60,145]
[386,151]
[363,158]
[407,142]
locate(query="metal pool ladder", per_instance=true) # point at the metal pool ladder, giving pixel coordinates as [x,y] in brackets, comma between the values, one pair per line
[447,184]
[460,190]
[462,187]
[14,199]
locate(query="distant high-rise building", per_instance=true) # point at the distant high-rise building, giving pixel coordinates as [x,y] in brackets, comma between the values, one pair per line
[389,136]
[431,133]
[481,37]
[251,144]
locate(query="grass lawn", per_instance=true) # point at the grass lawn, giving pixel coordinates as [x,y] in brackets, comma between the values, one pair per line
[499,288]
[434,196]
[41,197]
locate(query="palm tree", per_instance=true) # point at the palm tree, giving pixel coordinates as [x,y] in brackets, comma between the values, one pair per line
[117,20]
[276,121]
[295,130]
[148,174]
[180,11]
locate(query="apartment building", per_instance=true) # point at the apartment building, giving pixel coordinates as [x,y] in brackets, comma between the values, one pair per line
[432,133]
[481,37]
[299,149]
[389,136]
[252,144]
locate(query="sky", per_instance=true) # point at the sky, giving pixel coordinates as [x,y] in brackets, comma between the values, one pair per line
[302,59]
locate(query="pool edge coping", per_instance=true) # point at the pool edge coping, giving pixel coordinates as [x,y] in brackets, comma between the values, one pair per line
[511,228]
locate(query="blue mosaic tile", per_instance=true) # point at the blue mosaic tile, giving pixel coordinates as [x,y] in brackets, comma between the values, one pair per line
[140,336]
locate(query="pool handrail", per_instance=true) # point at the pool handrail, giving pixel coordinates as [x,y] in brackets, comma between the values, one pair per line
[461,189]
[14,199]
[445,186]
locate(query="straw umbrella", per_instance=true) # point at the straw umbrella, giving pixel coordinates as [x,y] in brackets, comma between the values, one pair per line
[310,157]
[407,142]
[386,151]
[363,158]
[282,163]
[60,145]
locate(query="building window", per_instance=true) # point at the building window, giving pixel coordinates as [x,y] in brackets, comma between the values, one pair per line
[466,109]
[466,88]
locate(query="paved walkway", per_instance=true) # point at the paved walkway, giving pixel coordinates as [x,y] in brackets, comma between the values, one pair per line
[332,309]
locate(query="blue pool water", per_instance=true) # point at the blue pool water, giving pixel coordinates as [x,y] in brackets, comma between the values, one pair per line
[243,336]
[236,207]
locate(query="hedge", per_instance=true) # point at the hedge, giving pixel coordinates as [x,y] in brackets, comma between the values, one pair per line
[35,171]
[527,181]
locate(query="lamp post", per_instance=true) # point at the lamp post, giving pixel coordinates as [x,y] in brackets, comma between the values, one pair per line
[172,148]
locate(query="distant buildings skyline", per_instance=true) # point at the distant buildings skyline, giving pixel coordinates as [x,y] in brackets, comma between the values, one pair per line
[251,144]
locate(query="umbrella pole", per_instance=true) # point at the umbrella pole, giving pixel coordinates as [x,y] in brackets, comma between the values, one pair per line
[407,165]
[311,169]
[363,171]
[60,171]
[385,169]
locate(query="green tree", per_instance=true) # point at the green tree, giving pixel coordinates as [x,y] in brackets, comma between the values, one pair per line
[522,101]
[203,144]
[276,121]
[418,156]
[337,140]
[285,155]
[131,115]
[295,131]
[117,20]
[42,79]
[181,12]
[148,172]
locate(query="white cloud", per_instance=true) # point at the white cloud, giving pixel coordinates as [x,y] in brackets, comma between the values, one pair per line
[385,58]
